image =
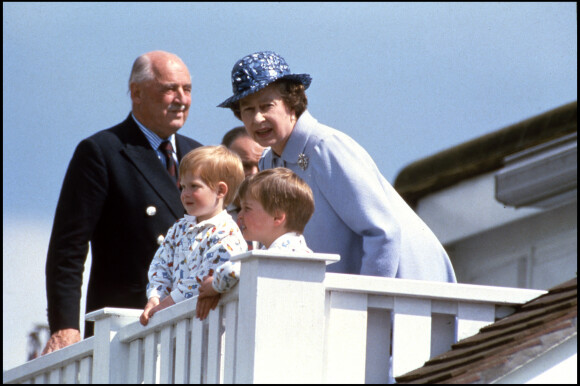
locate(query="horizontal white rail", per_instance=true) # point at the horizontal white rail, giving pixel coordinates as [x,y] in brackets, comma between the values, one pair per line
[430,289]
[175,347]
[392,326]
[72,364]
[287,321]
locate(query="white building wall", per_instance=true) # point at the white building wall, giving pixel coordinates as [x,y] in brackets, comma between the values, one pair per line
[467,209]
[493,244]
[536,252]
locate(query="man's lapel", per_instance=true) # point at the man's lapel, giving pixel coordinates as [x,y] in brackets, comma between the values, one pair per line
[144,158]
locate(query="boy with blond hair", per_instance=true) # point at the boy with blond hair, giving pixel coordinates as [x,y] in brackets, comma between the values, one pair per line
[276,205]
[205,238]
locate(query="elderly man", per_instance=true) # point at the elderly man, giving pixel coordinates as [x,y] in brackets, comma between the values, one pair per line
[239,141]
[119,194]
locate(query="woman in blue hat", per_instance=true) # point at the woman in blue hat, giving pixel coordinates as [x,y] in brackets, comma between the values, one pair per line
[358,214]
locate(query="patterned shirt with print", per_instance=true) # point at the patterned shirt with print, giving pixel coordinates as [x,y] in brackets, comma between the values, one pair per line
[190,252]
[228,274]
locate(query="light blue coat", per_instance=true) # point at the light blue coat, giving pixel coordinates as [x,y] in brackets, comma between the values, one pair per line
[358,214]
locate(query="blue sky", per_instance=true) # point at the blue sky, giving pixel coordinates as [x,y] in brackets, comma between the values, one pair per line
[405,80]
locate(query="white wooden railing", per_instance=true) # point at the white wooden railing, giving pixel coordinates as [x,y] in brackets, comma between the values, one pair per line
[287,321]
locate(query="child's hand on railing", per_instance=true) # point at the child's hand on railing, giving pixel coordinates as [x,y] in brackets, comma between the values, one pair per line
[144,318]
[153,306]
[208,298]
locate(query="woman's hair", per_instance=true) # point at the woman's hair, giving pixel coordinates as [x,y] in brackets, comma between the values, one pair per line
[280,189]
[293,95]
[214,164]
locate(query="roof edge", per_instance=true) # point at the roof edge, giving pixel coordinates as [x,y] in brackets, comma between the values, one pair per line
[483,154]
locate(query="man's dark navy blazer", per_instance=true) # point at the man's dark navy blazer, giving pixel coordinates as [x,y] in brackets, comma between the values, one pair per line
[117,195]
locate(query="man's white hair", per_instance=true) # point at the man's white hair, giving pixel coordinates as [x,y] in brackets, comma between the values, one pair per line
[142,70]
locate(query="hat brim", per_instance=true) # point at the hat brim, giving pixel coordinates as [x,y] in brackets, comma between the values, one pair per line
[305,79]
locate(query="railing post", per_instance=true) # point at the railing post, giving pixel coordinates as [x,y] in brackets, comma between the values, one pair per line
[110,355]
[281,317]
[411,334]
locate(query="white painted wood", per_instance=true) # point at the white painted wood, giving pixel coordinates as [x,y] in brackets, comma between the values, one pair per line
[181,352]
[54,376]
[248,289]
[166,355]
[135,367]
[102,357]
[195,350]
[222,344]
[85,370]
[538,252]
[377,366]
[471,317]
[110,356]
[442,333]
[272,328]
[429,289]
[284,338]
[168,316]
[40,379]
[411,334]
[381,301]
[450,212]
[556,257]
[346,338]
[204,350]
[541,176]
[150,358]
[214,346]
[444,307]
[43,364]
[70,373]
[231,326]
[261,254]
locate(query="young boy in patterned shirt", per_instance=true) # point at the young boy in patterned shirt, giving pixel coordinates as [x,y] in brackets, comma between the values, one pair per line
[276,204]
[205,237]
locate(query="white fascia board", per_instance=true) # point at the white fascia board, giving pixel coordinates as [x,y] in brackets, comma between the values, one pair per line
[544,176]
[466,209]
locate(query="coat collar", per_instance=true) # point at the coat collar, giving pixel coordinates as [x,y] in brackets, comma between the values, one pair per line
[299,137]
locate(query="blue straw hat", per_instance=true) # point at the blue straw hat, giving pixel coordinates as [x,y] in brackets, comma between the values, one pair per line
[254,72]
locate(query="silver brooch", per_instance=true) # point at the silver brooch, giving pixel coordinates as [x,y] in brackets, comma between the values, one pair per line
[302,161]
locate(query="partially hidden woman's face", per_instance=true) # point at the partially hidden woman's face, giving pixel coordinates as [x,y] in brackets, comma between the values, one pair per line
[267,118]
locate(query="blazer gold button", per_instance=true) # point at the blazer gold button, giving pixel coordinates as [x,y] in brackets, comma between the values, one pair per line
[151,210]
[160,239]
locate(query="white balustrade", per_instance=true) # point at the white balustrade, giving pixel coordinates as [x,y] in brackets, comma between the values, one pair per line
[175,347]
[72,364]
[426,319]
[287,321]
[281,317]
